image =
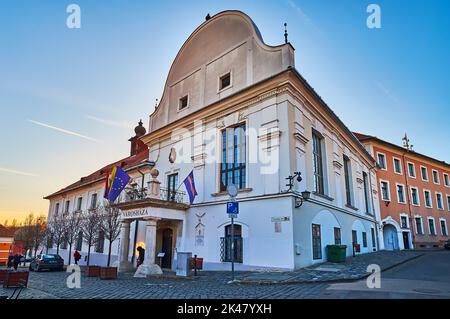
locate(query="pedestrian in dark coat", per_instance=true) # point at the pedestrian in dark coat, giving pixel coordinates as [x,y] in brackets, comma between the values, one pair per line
[141,255]
[16,261]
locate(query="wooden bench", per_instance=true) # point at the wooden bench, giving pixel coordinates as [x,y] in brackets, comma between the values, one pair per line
[16,279]
[108,273]
[92,271]
[3,273]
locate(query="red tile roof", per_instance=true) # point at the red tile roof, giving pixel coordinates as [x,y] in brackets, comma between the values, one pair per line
[126,163]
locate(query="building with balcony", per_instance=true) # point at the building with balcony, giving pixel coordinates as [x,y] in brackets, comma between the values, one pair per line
[414,195]
[235,110]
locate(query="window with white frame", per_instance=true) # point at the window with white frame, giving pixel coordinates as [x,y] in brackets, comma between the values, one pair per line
[427,196]
[318,159]
[397,166]
[382,161]
[79,202]
[348,181]
[448,202]
[435,177]
[419,226]
[415,196]
[424,173]
[411,170]
[400,193]
[446,180]
[57,209]
[444,230]
[66,209]
[431,226]
[385,194]
[439,203]
[404,221]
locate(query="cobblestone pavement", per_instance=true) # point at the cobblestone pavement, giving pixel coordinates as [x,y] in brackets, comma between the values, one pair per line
[352,269]
[409,280]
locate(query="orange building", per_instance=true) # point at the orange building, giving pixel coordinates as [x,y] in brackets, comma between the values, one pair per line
[6,242]
[414,195]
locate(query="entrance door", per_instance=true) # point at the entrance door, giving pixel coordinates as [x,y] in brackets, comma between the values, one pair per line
[406,239]
[166,261]
[390,237]
[227,251]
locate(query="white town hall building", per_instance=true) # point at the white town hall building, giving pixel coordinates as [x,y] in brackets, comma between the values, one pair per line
[236,110]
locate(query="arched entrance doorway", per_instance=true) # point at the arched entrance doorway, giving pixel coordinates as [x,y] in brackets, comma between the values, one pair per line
[390,237]
[166,247]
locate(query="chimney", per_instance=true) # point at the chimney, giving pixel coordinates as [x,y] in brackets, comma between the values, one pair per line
[137,145]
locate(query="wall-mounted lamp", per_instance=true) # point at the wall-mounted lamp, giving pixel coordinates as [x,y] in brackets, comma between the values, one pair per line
[387,202]
[291,178]
[299,200]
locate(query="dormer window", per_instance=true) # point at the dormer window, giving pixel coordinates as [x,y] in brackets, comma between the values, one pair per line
[183,102]
[225,81]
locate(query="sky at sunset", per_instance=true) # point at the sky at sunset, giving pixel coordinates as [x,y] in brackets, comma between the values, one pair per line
[70,98]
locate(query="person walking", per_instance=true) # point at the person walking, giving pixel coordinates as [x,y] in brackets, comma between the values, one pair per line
[76,256]
[16,261]
[141,255]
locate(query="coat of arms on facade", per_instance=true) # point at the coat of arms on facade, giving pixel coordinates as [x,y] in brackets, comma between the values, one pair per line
[172,155]
[200,231]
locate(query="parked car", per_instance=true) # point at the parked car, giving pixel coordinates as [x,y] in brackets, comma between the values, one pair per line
[47,262]
[447,245]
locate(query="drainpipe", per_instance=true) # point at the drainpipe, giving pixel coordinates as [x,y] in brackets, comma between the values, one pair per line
[409,200]
[373,206]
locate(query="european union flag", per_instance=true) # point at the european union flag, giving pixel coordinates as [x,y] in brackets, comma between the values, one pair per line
[115,183]
[190,187]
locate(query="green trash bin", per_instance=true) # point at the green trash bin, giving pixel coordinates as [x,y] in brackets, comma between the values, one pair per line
[336,253]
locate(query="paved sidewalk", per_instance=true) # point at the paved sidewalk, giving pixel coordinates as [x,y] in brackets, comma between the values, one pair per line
[353,268]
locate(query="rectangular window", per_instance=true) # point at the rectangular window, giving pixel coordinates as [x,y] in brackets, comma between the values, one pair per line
[225,81]
[404,221]
[446,180]
[385,191]
[424,173]
[431,226]
[382,161]
[337,236]
[66,209]
[411,170]
[419,229]
[232,170]
[354,237]
[79,242]
[57,209]
[439,201]
[79,202]
[318,163]
[172,186]
[94,201]
[414,196]
[427,196]
[448,202]
[444,228]
[348,185]
[100,242]
[401,193]
[374,244]
[183,102]
[364,238]
[397,166]
[435,177]
[366,192]
[316,242]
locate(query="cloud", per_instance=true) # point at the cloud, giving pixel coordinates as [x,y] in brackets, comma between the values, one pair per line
[109,122]
[63,130]
[388,93]
[300,11]
[13,171]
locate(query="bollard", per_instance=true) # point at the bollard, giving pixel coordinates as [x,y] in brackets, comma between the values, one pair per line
[195,265]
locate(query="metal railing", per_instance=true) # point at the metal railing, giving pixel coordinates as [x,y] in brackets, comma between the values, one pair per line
[226,251]
[134,194]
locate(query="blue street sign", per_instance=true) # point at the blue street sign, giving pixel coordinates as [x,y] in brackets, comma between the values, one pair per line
[232,208]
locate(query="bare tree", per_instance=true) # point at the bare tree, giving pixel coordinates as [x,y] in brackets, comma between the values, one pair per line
[110,225]
[39,229]
[73,225]
[48,237]
[89,226]
[59,228]
[25,233]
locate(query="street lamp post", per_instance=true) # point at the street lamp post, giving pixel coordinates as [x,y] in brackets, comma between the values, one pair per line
[232,210]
